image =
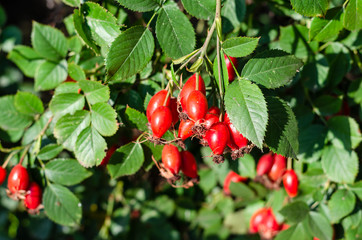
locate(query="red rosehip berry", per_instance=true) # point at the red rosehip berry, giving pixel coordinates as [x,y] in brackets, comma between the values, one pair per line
[18,179]
[214,110]
[33,198]
[161,121]
[171,158]
[173,108]
[217,137]
[278,168]
[265,164]
[2,175]
[196,105]
[290,182]
[229,67]
[190,86]
[156,101]
[108,156]
[185,129]
[189,166]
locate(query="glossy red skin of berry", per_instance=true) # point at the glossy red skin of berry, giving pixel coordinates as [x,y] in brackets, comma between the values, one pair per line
[270,223]
[188,166]
[185,129]
[217,137]
[108,156]
[173,108]
[290,182]
[18,179]
[196,105]
[33,198]
[210,119]
[229,67]
[278,168]
[190,86]
[156,101]
[257,219]
[232,177]
[237,140]
[214,110]
[161,121]
[2,175]
[171,158]
[265,164]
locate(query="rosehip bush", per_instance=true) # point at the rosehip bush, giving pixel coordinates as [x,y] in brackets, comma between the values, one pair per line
[183,119]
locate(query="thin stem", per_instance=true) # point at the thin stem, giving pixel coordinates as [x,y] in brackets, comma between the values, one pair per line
[44,128]
[315,110]
[207,40]
[197,81]
[8,159]
[153,16]
[219,72]
[289,164]
[23,154]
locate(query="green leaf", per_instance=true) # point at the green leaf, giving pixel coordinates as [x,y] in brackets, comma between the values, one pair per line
[49,151]
[129,53]
[66,172]
[233,13]
[326,29]
[355,91]
[241,190]
[76,72]
[61,206]
[319,226]
[49,42]
[328,105]
[339,164]
[102,25]
[72,3]
[240,46]
[282,131]
[33,132]
[353,15]
[104,119]
[310,8]
[68,128]
[50,74]
[10,118]
[136,119]
[298,231]
[127,160]
[95,92]
[83,31]
[294,39]
[246,166]
[311,142]
[272,69]
[201,9]
[64,103]
[75,44]
[174,32]
[27,103]
[315,73]
[26,59]
[357,189]
[139,5]
[295,211]
[67,87]
[344,132]
[341,204]
[90,147]
[247,110]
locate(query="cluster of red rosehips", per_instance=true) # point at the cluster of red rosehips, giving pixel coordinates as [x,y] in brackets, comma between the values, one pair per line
[271,170]
[20,189]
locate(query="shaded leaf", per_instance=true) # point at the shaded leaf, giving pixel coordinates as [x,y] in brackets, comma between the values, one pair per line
[49,151]
[295,211]
[27,103]
[310,8]
[341,204]
[10,118]
[139,5]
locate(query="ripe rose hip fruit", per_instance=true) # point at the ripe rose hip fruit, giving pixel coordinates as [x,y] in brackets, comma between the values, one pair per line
[290,182]
[278,168]
[171,158]
[210,119]
[156,101]
[185,129]
[265,164]
[2,175]
[237,140]
[270,226]
[214,110]
[33,198]
[161,121]
[217,137]
[229,67]
[188,165]
[196,105]
[18,179]
[232,177]
[257,219]
[108,156]
[190,86]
